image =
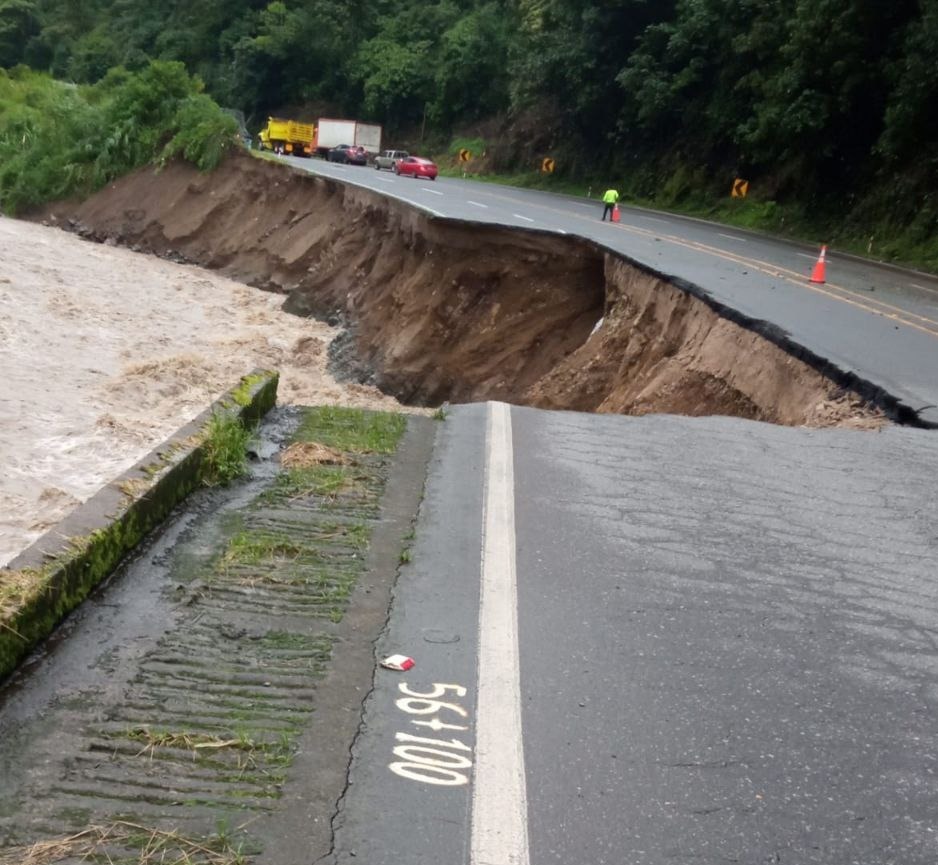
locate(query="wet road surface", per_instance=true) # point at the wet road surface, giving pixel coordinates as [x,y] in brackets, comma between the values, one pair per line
[638,640]
[727,649]
[877,321]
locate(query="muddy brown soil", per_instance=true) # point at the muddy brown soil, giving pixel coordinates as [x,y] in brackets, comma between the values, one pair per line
[444,310]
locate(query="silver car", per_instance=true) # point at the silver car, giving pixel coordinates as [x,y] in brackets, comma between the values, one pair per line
[389,158]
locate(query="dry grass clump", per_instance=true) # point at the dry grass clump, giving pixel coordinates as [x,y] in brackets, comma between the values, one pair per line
[153,739]
[304,455]
[134,488]
[15,586]
[124,842]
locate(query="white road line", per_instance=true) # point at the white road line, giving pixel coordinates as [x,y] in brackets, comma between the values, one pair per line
[805,255]
[525,218]
[499,796]
[386,179]
[653,218]
[434,191]
[476,203]
[419,205]
[922,287]
[733,237]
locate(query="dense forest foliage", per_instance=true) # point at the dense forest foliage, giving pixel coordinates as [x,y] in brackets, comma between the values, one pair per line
[831,104]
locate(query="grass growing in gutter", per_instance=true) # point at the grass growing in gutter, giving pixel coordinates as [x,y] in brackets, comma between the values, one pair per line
[323,481]
[188,740]
[326,436]
[226,448]
[251,754]
[249,548]
[355,430]
[225,696]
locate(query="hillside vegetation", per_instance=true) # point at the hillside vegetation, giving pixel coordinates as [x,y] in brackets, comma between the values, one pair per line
[59,140]
[826,107]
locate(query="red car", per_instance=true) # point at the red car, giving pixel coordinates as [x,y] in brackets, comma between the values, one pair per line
[416,167]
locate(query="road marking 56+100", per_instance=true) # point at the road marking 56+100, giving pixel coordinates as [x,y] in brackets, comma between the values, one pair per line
[444,762]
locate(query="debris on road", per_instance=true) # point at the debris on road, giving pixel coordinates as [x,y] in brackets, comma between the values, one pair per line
[397,662]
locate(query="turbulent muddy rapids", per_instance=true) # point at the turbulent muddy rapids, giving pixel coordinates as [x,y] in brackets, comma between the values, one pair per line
[104,354]
[442,310]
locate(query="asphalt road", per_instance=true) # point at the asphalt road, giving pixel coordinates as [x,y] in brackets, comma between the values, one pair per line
[657,640]
[877,321]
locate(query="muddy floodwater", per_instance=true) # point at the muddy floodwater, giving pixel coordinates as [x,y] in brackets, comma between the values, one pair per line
[105,352]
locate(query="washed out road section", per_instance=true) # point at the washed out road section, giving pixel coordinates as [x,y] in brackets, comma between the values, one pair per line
[538,319]
[879,322]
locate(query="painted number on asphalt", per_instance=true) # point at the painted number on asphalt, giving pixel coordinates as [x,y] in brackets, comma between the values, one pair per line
[427,759]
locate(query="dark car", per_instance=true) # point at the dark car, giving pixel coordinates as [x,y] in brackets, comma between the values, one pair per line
[350,154]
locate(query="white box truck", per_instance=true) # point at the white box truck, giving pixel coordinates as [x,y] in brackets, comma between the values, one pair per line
[368,135]
[331,133]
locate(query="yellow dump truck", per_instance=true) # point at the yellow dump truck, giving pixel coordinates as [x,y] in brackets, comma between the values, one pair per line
[288,136]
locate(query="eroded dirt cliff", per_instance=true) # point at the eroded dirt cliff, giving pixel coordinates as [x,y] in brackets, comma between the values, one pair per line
[445,310]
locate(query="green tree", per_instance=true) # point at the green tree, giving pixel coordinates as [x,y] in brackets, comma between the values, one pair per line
[703,72]
[570,52]
[92,55]
[396,79]
[58,140]
[19,22]
[471,79]
[824,106]
[911,121]
[283,53]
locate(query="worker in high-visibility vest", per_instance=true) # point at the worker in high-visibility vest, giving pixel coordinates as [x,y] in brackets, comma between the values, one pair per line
[610,199]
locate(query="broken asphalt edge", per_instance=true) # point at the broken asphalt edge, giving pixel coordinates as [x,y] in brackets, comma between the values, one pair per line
[85,548]
[894,407]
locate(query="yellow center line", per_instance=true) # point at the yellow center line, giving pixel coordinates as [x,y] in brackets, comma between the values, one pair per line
[871,305]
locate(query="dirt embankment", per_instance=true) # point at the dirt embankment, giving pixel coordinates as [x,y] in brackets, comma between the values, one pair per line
[443,310]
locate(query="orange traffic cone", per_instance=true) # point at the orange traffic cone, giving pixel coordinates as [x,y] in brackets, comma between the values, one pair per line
[817,275]
[615,213]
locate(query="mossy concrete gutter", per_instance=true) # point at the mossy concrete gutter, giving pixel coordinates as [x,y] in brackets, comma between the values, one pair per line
[53,576]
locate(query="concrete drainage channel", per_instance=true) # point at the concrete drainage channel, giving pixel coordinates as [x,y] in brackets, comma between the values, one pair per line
[191,709]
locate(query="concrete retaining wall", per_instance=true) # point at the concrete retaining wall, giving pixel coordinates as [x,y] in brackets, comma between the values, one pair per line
[61,568]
